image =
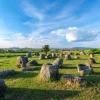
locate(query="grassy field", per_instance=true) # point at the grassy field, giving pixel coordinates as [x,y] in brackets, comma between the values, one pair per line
[28,86]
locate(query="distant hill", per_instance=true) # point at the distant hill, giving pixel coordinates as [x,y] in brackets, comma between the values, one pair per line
[73,48]
[80,48]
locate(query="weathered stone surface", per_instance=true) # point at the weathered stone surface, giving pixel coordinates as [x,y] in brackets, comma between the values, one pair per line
[77,57]
[42,56]
[25,59]
[28,54]
[49,71]
[91,60]
[82,53]
[68,57]
[73,79]
[7,73]
[49,56]
[76,53]
[32,63]
[91,55]
[19,60]
[2,87]
[61,54]
[37,53]
[22,60]
[28,69]
[54,55]
[84,69]
[59,62]
[71,53]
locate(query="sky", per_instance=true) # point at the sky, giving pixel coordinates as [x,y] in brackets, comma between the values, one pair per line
[57,23]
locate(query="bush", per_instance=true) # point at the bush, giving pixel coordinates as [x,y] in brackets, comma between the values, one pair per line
[94,51]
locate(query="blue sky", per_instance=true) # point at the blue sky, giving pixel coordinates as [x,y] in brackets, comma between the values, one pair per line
[58,23]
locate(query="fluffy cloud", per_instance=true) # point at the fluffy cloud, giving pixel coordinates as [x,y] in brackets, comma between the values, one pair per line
[74,34]
[19,36]
[19,40]
[32,11]
[31,39]
[5,42]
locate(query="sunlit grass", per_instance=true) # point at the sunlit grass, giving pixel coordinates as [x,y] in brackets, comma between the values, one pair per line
[28,86]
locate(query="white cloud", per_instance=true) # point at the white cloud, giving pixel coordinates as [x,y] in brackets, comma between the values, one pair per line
[50,6]
[19,36]
[4,42]
[74,34]
[19,40]
[31,39]
[69,8]
[32,11]
[71,37]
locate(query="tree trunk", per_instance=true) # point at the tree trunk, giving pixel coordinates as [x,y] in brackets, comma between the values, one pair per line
[46,53]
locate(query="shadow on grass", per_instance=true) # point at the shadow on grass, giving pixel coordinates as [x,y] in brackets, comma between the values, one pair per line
[93,79]
[68,66]
[96,73]
[39,64]
[23,74]
[37,68]
[97,63]
[96,67]
[38,94]
[82,59]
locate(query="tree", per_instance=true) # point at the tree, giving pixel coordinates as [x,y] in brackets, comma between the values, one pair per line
[45,48]
[94,51]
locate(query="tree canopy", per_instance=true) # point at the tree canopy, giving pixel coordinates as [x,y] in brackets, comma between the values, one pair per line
[45,48]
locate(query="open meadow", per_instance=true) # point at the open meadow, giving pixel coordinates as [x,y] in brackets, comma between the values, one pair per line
[49,49]
[26,85]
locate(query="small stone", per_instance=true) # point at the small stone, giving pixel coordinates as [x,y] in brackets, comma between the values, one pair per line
[7,73]
[28,69]
[68,57]
[2,87]
[84,69]
[73,79]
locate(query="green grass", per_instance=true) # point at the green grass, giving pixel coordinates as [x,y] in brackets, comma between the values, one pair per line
[28,86]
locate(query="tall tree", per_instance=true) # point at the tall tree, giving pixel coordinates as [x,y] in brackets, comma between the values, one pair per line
[45,48]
